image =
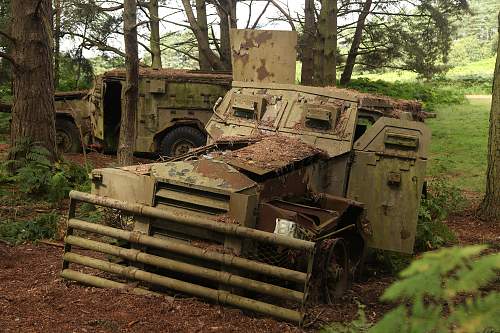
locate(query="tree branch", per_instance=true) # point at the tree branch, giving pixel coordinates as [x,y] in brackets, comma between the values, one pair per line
[100,45]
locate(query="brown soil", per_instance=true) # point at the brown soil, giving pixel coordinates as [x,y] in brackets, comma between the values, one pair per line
[470,229]
[34,299]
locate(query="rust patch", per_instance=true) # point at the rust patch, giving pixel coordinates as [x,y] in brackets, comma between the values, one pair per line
[262,71]
[263,36]
[222,171]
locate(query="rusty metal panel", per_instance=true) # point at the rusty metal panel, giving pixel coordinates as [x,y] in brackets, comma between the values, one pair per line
[264,55]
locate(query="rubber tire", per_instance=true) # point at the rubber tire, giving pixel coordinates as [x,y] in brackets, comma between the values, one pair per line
[196,137]
[71,131]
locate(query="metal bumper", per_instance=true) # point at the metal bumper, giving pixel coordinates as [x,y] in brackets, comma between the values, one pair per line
[233,274]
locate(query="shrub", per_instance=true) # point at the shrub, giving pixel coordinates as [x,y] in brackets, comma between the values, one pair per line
[430,94]
[35,175]
[42,227]
[441,292]
[442,199]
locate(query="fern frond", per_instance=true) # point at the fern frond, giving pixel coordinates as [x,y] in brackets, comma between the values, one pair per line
[477,275]
[394,321]
[477,315]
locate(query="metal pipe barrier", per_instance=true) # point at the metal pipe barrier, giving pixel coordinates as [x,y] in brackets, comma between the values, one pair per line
[228,276]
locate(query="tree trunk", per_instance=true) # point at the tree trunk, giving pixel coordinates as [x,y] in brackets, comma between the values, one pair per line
[127,127]
[201,17]
[308,44]
[57,39]
[330,50]
[154,39]
[356,41]
[33,112]
[490,207]
[215,62]
[227,16]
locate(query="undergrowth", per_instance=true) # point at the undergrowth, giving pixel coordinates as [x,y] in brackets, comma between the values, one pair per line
[443,291]
[429,93]
[36,177]
[43,226]
[441,199]
[34,180]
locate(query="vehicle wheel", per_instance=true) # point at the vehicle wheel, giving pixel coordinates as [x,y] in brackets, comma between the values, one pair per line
[180,140]
[67,137]
[336,270]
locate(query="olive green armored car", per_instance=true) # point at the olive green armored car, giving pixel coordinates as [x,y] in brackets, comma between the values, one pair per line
[174,106]
[274,213]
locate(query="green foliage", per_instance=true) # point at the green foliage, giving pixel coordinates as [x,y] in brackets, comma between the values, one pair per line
[442,199]
[75,72]
[104,63]
[431,94]
[36,176]
[358,325]
[441,291]
[467,49]
[42,227]
[91,213]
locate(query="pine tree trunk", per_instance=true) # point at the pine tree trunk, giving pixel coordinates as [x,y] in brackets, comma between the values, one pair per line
[356,41]
[308,45]
[201,39]
[227,16]
[57,39]
[33,112]
[154,39]
[490,207]
[127,127]
[201,17]
[330,51]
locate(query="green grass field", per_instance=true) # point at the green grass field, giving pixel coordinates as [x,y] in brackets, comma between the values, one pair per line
[482,68]
[459,143]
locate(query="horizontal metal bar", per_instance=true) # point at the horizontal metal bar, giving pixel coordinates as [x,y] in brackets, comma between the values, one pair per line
[220,296]
[176,266]
[100,282]
[191,220]
[193,251]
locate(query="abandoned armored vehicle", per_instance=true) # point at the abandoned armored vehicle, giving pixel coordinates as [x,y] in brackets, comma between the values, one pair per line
[174,106]
[275,211]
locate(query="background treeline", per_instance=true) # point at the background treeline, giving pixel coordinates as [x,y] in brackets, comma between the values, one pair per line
[393,40]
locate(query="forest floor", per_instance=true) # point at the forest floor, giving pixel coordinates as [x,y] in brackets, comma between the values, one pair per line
[33,298]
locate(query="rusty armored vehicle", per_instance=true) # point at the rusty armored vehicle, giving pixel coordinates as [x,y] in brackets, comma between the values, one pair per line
[274,212]
[174,106]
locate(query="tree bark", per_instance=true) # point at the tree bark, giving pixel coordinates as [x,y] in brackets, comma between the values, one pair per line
[308,44]
[215,62]
[201,17]
[57,40]
[490,207]
[325,50]
[127,127]
[356,41]
[33,112]
[227,16]
[154,39]
[330,49]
